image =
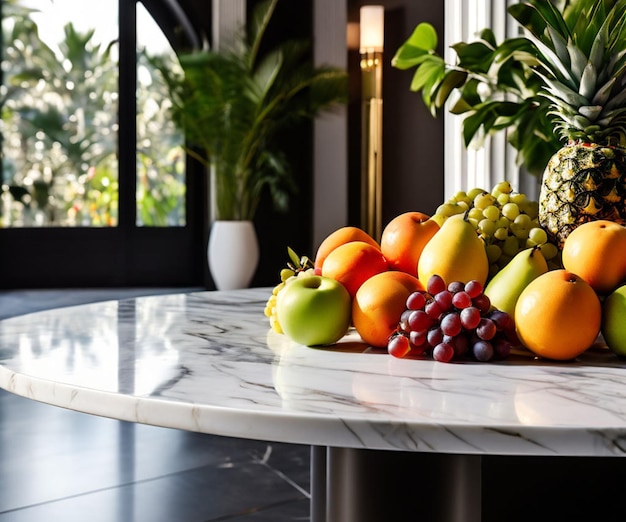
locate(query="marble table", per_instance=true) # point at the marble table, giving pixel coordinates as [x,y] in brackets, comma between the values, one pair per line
[208,362]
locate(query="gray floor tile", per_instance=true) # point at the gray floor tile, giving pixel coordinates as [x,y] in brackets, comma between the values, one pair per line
[203,494]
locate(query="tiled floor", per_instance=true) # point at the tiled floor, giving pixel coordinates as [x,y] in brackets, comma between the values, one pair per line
[59,465]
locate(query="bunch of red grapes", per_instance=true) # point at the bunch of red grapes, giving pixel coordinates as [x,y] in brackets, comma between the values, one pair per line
[455,322]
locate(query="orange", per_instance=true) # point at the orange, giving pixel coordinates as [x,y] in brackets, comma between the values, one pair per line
[558,315]
[596,251]
[354,263]
[339,237]
[379,303]
[404,238]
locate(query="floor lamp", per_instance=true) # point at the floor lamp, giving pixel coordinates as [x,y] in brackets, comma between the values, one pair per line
[371,50]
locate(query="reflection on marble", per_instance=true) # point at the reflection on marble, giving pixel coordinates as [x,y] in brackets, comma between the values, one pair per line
[208,362]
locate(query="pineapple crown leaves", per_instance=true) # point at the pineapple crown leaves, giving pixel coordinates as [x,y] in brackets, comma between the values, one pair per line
[581,55]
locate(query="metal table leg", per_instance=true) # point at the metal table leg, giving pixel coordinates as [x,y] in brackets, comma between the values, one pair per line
[378,486]
[318,483]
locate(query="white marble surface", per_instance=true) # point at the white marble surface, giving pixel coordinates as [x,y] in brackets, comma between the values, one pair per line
[208,362]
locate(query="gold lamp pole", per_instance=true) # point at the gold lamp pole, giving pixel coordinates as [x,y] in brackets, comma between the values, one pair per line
[371,50]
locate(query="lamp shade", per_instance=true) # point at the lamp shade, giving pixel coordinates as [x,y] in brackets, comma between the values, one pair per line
[372,28]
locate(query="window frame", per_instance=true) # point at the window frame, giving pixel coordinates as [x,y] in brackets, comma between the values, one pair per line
[125,255]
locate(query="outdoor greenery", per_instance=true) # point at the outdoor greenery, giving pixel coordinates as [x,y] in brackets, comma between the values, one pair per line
[59,139]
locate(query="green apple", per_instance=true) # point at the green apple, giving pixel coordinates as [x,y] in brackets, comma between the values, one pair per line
[314,310]
[614,321]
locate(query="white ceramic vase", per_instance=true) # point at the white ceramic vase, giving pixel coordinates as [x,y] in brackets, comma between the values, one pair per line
[233,254]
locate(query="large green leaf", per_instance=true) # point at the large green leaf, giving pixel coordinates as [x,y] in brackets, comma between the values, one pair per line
[469,97]
[432,69]
[409,56]
[475,56]
[536,17]
[424,37]
[527,16]
[452,79]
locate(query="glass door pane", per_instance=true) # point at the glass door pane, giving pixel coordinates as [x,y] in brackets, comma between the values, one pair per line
[160,154]
[59,117]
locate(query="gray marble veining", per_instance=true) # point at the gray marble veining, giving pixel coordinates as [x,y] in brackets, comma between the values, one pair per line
[207,361]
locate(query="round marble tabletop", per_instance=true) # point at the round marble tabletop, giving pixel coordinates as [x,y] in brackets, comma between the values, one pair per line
[208,362]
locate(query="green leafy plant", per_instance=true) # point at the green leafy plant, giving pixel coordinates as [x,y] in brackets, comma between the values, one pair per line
[231,104]
[492,85]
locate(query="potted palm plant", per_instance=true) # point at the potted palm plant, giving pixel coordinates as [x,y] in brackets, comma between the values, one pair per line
[231,104]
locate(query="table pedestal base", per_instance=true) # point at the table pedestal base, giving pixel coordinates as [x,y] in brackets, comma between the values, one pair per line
[356,485]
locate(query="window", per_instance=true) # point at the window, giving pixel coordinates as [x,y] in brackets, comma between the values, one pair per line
[59,119]
[94,186]
[160,195]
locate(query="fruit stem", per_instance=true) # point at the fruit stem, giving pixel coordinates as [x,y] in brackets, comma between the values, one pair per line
[297,263]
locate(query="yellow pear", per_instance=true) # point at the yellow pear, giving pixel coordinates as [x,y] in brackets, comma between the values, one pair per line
[455,253]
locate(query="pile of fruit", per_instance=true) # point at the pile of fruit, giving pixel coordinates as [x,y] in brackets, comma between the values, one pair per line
[454,321]
[474,281]
[507,222]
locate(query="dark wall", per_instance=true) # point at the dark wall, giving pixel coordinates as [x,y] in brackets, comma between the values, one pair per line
[412,138]
[276,230]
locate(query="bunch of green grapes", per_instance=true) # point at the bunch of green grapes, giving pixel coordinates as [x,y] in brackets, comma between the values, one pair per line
[297,267]
[507,222]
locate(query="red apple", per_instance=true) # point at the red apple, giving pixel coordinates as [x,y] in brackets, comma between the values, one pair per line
[404,238]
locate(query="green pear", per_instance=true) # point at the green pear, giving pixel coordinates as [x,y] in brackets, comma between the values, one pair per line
[614,321]
[455,252]
[506,286]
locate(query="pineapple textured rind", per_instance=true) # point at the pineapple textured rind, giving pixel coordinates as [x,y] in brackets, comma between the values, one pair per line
[582,182]
[580,58]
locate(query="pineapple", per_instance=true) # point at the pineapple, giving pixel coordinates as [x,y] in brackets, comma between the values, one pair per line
[560,92]
[581,58]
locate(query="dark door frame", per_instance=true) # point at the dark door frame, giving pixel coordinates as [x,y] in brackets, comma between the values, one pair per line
[125,255]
